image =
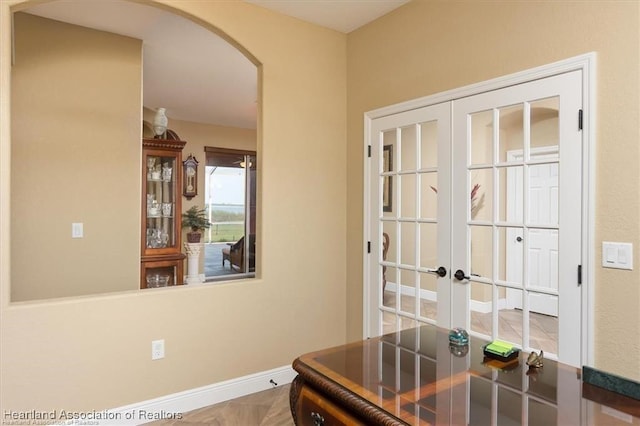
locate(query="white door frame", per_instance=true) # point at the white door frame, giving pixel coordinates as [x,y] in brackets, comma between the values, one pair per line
[587,65]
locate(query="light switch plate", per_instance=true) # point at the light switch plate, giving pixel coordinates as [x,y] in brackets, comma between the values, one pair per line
[77,230]
[617,255]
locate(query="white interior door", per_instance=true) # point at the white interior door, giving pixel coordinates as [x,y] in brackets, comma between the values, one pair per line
[543,245]
[533,116]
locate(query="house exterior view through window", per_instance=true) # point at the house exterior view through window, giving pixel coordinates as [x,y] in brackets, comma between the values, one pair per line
[230,205]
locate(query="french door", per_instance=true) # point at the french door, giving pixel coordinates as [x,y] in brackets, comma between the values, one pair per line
[476,214]
[412,151]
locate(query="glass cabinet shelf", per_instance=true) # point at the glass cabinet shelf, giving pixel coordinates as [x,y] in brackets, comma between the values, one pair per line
[161,251]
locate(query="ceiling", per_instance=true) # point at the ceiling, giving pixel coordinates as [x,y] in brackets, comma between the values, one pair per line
[192,72]
[340,15]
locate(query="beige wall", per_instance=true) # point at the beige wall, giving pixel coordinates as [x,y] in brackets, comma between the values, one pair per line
[428,47]
[75,158]
[93,352]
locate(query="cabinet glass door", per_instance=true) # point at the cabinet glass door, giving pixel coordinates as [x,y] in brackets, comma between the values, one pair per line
[160,274]
[160,208]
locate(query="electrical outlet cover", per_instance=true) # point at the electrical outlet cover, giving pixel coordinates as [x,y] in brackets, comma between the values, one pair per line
[157,349]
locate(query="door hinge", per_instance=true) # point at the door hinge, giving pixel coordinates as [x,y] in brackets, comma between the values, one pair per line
[579,274]
[368,246]
[580,119]
[369,151]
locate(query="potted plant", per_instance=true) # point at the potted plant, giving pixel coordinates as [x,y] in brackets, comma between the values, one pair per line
[195,219]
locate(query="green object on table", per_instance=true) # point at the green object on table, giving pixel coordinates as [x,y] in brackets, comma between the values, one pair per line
[500,348]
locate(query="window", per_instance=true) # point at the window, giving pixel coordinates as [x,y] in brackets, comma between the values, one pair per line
[230,203]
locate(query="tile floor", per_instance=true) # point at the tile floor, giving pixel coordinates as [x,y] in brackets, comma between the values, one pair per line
[213,260]
[543,329]
[213,268]
[266,408]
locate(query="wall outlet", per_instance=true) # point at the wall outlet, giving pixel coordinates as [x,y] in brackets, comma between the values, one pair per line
[157,349]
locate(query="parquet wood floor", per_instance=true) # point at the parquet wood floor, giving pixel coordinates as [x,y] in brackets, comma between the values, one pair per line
[266,408]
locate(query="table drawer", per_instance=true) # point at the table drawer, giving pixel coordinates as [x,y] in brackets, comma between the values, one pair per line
[315,410]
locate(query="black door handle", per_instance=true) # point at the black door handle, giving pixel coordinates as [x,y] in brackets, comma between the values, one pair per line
[460,275]
[441,271]
[519,239]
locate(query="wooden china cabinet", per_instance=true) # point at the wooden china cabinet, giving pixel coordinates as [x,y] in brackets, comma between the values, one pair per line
[162,260]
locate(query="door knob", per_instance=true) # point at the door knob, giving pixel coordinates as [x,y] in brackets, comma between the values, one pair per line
[441,271]
[460,275]
[318,420]
[519,239]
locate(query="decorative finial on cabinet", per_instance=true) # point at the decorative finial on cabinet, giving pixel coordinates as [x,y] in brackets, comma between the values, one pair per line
[160,123]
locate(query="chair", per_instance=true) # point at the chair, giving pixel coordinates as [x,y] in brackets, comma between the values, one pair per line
[226,253]
[385,249]
[235,254]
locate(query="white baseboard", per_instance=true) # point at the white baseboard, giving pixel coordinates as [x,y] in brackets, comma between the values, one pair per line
[175,405]
[474,305]
[485,307]
[410,291]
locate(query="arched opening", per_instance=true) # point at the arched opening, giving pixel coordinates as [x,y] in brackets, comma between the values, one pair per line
[83,83]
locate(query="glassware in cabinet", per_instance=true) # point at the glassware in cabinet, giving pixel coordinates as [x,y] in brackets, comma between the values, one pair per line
[161,208]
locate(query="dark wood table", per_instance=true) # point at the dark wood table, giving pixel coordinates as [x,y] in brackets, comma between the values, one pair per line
[414,377]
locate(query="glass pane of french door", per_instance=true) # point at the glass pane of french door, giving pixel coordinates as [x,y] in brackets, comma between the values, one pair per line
[517,217]
[410,219]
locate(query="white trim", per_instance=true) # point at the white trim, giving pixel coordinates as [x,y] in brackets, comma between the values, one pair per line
[487,307]
[588,206]
[474,305]
[585,63]
[175,405]
[406,290]
[366,233]
[581,62]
